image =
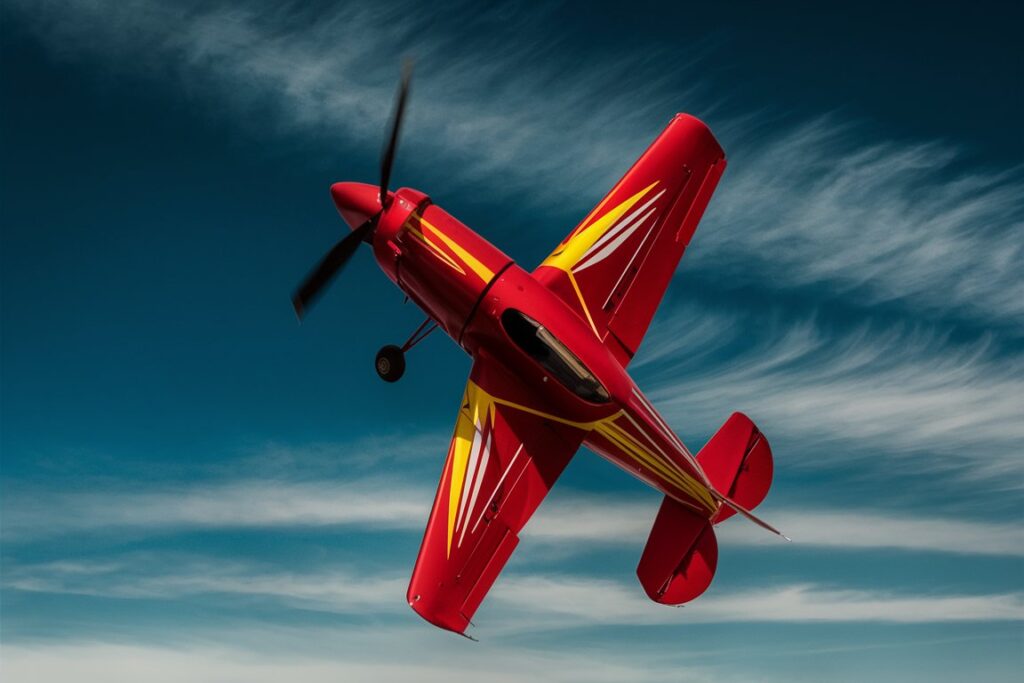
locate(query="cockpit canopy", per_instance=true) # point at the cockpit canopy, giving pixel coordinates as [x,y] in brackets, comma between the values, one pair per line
[554,356]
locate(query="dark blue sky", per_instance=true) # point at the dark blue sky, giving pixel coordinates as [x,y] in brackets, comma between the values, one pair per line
[193,483]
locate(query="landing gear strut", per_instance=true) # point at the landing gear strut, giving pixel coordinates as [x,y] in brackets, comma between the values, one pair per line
[390,363]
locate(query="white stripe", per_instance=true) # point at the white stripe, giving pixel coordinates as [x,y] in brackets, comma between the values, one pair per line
[650,410]
[682,447]
[672,462]
[477,481]
[498,486]
[621,225]
[664,427]
[610,249]
[661,423]
[626,269]
[652,442]
[474,450]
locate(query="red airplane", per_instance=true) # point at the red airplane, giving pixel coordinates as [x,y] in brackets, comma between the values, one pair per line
[550,350]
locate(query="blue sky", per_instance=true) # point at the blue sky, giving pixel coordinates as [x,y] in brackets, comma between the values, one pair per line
[194,487]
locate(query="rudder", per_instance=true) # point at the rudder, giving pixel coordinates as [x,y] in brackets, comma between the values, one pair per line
[738,462]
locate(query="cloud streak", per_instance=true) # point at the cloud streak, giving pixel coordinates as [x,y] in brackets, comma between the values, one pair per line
[804,206]
[519,601]
[877,222]
[906,390]
[570,520]
[620,604]
[369,503]
[810,207]
[146,577]
[585,520]
[352,657]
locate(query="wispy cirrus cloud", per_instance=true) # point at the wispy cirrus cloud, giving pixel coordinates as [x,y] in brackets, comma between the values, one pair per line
[806,205]
[905,390]
[559,600]
[367,502]
[586,520]
[875,221]
[145,576]
[572,597]
[573,521]
[352,657]
[332,71]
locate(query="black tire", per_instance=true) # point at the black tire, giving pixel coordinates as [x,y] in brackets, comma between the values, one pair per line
[390,363]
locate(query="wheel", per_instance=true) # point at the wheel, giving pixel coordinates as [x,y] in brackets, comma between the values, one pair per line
[390,363]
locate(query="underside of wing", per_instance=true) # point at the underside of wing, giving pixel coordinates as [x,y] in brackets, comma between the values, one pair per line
[613,269]
[501,463]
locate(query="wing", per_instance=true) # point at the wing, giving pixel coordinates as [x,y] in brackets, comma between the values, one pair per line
[503,459]
[613,269]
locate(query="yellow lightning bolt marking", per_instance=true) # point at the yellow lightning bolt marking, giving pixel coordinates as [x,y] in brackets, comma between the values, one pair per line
[482,271]
[566,256]
[462,442]
[434,248]
[570,252]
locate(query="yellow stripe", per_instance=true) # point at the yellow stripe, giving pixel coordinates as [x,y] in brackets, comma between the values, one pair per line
[624,442]
[483,404]
[593,212]
[436,250]
[585,426]
[583,302]
[482,271]
[566,256]
[617,436]
[684,481]
[465,427]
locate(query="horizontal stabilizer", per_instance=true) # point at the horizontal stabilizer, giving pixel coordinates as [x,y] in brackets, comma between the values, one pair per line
[680,557]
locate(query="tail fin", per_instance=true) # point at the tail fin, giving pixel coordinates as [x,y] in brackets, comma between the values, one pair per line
[681,554]
[738,463]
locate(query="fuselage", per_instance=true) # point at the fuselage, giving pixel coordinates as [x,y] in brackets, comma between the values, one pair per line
[489,305]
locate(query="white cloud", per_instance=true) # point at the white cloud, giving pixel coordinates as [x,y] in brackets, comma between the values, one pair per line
[574,521]
[366,502]
[583,599]
[170,576]
[571,520]
[397,656]
[805,205]
[518,602]
[332,73]
[574,598]
[577,521]
[878,222]
[810,205]
[902,391]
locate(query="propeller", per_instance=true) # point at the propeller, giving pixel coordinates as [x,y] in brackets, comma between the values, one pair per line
[387,158]
[335,259]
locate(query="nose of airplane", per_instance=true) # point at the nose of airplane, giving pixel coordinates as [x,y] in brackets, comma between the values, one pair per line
[356,202]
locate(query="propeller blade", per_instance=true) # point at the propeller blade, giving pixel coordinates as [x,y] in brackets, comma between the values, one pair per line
[329,266]
[388,158]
